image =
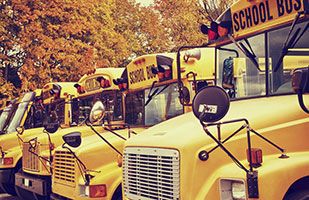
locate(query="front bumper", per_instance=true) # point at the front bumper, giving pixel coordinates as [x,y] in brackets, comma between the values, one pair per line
[41,186]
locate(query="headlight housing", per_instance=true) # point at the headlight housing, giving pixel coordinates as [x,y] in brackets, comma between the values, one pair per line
[233,189]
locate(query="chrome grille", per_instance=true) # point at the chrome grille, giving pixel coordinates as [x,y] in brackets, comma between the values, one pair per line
[64,167]
[30,160]
[151,173]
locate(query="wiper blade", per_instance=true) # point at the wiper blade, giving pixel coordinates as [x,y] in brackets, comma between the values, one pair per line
[250,55]
[287,45]
[245,51]
[284,50]
[150,95]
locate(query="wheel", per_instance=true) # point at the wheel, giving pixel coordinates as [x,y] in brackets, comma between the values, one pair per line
[24,194]
[298,195]
[40,197]
[9,188]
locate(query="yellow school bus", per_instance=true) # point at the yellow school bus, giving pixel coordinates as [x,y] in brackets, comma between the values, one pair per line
[149,95]
[35,180]
[28,120]
[247,136]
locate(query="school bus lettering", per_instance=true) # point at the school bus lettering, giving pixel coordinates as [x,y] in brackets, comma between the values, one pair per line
[137,76]
[92,84]
[252,16]
[264,12]
[149,68]
[287,6]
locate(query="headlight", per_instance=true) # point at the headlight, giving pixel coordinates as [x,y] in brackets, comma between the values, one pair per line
[232,189]
[92,191]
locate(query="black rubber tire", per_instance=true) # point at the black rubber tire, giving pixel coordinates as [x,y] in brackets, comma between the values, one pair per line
[40,197]
[298,195]
[24,194]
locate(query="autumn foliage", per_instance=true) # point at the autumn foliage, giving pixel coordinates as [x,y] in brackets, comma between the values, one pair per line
[60,40]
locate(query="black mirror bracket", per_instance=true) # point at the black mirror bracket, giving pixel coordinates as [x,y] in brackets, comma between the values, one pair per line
[300,84]
[252,176]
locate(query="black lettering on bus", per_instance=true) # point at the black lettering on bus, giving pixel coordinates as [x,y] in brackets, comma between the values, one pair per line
[137,76]
[269,17]
[242,24]
[150,75]
[255,14]
[297,5]
[280,7]
[289,6]
[248,17]
[236,24]
[262,12]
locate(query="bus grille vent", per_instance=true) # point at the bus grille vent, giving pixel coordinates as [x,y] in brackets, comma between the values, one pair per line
[30,160]
[64,167]
[151,173]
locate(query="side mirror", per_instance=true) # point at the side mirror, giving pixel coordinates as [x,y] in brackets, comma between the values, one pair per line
[97,112]
[210,104]
[51,127]
[72,139]
[300,84]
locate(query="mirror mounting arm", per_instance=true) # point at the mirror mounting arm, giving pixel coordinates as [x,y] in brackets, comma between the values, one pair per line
[98,134]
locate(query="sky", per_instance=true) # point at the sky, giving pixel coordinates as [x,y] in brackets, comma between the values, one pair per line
[144,2]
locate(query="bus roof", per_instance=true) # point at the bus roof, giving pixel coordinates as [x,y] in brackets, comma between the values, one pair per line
[58,90]
[98,80]
[245,18]
[145,70]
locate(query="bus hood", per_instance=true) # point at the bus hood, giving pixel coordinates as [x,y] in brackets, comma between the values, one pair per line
[261,113]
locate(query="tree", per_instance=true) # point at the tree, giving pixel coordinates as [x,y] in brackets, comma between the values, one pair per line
[141,28]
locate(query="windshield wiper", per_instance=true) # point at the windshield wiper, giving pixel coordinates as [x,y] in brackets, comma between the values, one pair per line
[287,45]
[246,51]
[155,93]
[150,95]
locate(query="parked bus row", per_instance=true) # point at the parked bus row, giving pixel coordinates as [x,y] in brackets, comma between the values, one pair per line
[215,121]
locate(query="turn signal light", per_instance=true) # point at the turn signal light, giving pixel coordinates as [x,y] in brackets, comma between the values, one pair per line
[256,156]
[164,72]
[104,83]
[137,62]
[8,161]
[121,82]
[216,30]
[97,191]
[79,88]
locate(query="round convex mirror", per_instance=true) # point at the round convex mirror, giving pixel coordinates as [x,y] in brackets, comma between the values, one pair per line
[97,112]
[210,104]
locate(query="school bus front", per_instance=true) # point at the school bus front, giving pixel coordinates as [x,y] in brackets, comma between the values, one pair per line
[37,170]
[150,98]
[258,149]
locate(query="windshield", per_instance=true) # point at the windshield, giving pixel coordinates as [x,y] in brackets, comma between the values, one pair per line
[20,112]
[297,56]
[16,121]
[240,77]
[5,115]
[111,99]
[163,105]
[237,74]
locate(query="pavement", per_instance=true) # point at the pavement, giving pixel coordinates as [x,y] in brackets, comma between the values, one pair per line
[5,196]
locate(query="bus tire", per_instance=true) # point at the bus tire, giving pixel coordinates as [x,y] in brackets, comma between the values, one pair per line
[298,195]
[40,197]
